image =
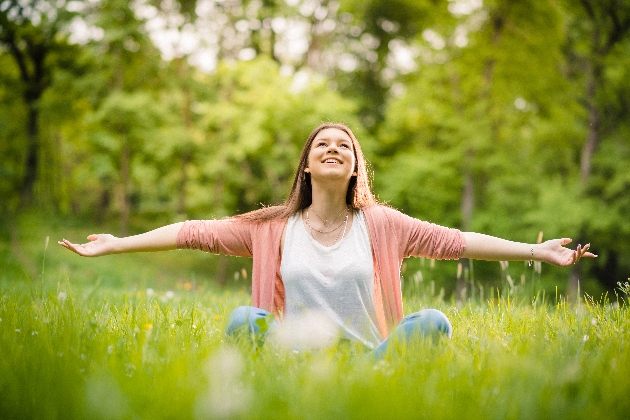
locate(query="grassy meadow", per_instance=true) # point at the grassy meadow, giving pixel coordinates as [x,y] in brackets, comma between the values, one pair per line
[139,337]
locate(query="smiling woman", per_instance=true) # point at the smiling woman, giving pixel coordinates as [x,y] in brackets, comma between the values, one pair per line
[342,264]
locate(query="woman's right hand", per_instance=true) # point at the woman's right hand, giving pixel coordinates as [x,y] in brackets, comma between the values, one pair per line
[101,244]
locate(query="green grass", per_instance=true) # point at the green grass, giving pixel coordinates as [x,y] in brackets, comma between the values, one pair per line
[85,353]
[141,337]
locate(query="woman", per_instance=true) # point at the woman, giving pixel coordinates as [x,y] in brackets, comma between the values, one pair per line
[332,248]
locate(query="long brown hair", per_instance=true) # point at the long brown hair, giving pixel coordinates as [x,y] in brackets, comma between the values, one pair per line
[359,193]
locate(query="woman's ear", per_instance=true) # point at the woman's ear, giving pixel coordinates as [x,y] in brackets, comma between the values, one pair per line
[307,170]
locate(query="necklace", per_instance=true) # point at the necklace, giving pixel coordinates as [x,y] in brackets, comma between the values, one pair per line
[308,222]
[321,231]
[325,222]
[344,224]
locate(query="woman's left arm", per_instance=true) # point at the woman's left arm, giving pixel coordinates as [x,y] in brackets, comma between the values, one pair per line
[491,248]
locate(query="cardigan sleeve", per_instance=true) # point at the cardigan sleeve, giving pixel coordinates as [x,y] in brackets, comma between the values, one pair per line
[417,238]
[225,236]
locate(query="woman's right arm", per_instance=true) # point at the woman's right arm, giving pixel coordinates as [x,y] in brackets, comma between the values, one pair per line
[160,239]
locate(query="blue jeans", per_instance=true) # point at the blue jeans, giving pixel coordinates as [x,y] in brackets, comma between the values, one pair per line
[426,324]
[252,320]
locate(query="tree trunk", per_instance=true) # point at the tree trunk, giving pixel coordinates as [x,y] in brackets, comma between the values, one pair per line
[222,267]
[468,193]
[467,209]
[592,138]
[588,149]
[574,288]
[29,50]
[32,155]
[104,198]
[467,204]
[122,190]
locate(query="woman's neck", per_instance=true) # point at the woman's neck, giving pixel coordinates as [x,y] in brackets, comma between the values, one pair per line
[328,203]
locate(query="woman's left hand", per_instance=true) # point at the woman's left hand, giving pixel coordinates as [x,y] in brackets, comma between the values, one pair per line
[554,252]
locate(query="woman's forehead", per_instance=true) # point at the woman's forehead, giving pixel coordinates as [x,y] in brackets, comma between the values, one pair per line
[333,134]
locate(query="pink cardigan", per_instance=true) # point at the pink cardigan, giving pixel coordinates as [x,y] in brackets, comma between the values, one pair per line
[394,236]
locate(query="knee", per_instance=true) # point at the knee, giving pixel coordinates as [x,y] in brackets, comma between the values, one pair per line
[439,321]
[429,323]
[238,318]
[245,318]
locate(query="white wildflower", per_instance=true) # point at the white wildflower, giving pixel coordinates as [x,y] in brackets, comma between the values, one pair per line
[227,396]
[308,331]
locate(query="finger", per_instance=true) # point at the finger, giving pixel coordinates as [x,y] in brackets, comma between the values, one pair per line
[69,247]
[578,253]
[565,241]
[574,253]
[76,248]
[72,247]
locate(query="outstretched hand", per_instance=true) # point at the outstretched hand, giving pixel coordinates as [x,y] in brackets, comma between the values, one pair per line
[101,244]
[555,252]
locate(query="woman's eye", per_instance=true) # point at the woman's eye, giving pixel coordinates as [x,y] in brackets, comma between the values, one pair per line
[345,145]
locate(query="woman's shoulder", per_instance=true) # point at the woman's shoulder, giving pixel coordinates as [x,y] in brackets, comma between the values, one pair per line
[381,210]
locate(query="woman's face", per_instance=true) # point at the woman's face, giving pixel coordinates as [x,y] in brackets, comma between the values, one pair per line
[331,155]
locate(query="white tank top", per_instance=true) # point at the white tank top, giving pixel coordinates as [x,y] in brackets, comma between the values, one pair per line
[337,281]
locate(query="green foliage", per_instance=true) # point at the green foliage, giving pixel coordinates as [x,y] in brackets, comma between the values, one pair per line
[12,134]
[254,126]
[485,125]
[496,149]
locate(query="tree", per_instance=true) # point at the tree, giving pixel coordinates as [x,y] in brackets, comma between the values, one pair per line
[34,33]
[254,124]
[596,49]
[122,91]
[484,123]
[379,31]
[124,126]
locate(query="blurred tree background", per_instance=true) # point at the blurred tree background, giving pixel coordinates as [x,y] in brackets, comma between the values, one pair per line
[508,118]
